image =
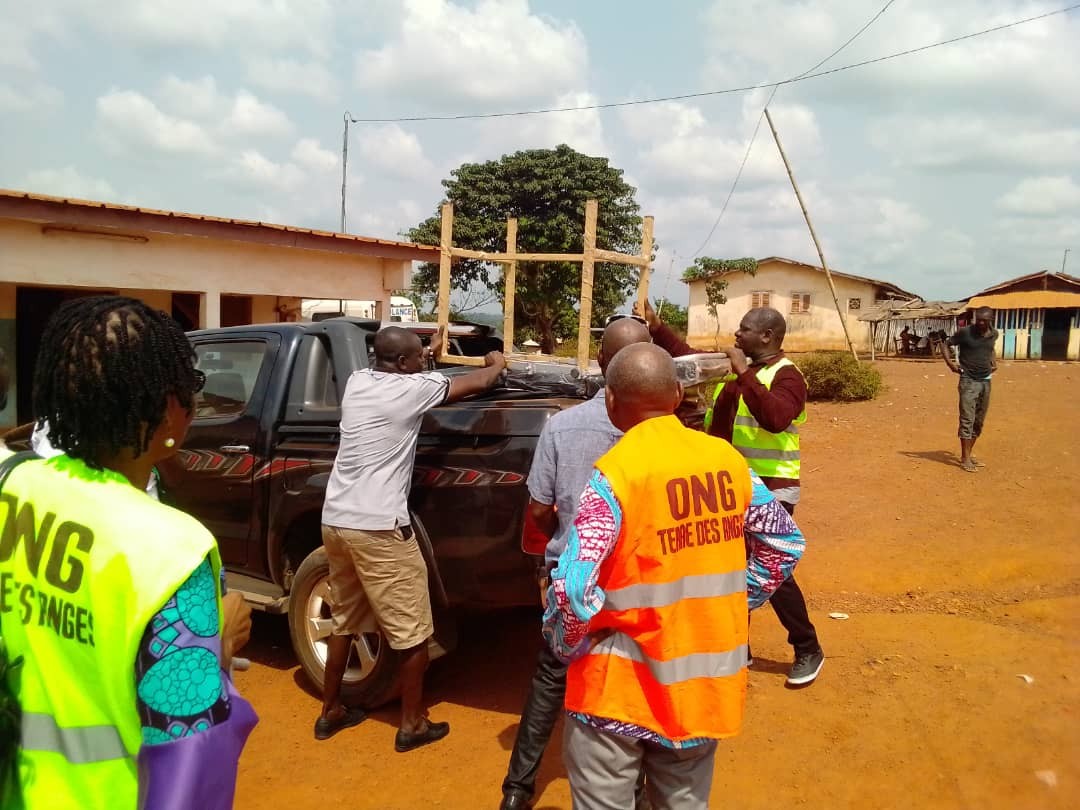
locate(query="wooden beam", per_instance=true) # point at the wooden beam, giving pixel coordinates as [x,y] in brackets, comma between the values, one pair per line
[585,306]
[509,286]
[646,256]
[813,234]
[610,256]
[445,261]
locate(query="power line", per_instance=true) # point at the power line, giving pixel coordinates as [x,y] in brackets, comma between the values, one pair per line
[707,93]
[761,116]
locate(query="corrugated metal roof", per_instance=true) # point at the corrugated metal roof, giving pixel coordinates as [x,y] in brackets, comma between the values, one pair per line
[1032,299]
[1030,277]
[168,221]
[899,292]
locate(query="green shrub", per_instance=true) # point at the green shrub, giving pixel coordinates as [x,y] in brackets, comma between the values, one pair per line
[839,376]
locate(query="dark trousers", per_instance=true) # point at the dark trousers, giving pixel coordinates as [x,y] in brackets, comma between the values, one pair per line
[790,607]
[542,708]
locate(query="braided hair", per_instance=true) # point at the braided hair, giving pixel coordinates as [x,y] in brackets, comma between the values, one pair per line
[105,370]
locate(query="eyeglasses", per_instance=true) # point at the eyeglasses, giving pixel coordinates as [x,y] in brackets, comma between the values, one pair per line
[618,317]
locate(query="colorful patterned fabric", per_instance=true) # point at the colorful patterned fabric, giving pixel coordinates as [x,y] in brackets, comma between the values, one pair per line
[178,676]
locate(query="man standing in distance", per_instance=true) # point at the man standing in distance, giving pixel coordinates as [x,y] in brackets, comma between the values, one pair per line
[373,554]
[975,345]
[649,600]
[760,412]
[568,447]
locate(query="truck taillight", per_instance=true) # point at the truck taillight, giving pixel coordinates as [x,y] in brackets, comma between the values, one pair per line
[533,541]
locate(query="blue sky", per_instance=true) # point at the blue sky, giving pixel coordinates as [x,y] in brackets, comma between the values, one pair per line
[943,172]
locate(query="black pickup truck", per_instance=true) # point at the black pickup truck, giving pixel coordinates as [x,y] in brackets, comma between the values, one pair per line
[255,464]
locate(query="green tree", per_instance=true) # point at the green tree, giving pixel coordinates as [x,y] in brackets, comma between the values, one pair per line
[678,318]
[711,271]
[546,190]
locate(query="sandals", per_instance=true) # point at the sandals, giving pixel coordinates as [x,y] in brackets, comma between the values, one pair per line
[968,466]
[325,728]
[433,732]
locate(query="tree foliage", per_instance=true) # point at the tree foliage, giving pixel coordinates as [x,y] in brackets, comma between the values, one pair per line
[673,315]
[711,271]
[546,190]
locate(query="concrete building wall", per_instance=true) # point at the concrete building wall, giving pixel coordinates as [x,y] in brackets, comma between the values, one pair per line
[153,266]
[818,328]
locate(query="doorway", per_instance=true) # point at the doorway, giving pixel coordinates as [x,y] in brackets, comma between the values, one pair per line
[33,308]
[1055,342]
[235,310]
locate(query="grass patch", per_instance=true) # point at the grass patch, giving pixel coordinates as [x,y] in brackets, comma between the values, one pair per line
[837,376]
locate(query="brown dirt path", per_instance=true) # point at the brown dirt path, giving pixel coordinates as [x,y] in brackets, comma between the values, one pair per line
[955,584]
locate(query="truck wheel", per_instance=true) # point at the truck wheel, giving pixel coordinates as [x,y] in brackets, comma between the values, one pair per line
[371,676]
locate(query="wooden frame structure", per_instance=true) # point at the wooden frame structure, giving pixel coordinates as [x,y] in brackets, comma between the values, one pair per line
[587,258]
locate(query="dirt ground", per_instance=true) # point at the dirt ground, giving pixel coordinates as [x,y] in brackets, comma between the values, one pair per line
[955,584]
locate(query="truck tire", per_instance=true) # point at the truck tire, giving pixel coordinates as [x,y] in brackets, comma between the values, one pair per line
[372,675]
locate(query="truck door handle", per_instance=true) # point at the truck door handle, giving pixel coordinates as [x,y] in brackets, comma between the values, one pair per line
[236,448]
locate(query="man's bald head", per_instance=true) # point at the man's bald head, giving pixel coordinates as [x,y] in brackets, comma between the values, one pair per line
[398,349]
[641,384]
[617,336]
[761,333]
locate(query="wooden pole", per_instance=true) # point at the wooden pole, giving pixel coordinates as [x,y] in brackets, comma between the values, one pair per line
[445,261]
[509,284]
[646,253]
[873,340]
[813,235]
[585,308]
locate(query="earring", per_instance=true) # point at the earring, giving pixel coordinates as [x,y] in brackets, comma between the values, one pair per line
[170,442]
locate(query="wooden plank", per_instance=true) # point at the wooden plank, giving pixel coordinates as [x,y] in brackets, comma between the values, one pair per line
[505,258]
[509,285]
[646,255]
[585,305]
[612,257]
[445,261]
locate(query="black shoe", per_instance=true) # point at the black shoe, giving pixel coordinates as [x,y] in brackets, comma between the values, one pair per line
[515,800]
[806,668]
[325,729]
[404,741]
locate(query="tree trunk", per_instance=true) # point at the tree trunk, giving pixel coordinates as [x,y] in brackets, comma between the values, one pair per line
[547,335]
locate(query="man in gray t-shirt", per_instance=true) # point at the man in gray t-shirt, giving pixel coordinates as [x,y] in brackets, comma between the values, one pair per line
[373,554]
[569,446]
[976,346]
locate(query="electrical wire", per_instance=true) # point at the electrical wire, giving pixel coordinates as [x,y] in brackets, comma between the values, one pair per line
[726,91]
[761,117]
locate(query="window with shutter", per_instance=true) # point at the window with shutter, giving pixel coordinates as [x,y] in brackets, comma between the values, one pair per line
[800,303]
[759,298]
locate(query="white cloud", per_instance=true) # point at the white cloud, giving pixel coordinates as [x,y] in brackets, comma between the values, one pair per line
[288,75]
[32,99]
[497,52]
[254,170]
[1041,196]
[126,118]
[583,131]
[393,151]
[310,155]
[245,25]
[192,98]
[69,182]
[964,143]
[251,117]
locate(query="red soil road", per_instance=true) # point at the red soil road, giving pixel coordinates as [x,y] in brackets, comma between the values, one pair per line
[955,584]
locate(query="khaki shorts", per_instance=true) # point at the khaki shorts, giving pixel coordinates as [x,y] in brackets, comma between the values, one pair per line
[383,571]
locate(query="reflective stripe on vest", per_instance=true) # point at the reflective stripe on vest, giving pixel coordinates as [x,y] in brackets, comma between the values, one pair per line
[771,455]
[677,670]
[674,620]
[78,745]
[643,595]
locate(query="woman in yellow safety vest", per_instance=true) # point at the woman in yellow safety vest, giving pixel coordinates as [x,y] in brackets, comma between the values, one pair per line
[111,603]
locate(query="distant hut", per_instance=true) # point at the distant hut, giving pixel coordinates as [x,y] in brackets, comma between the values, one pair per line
[887,320]
[1037,316]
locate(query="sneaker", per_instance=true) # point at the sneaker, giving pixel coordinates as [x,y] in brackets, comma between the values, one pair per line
[806,668]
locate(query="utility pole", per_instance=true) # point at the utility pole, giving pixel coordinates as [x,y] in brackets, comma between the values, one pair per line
[344,175]
[1064,259]
[813,235]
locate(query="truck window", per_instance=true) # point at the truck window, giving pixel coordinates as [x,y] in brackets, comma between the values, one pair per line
[231,370]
